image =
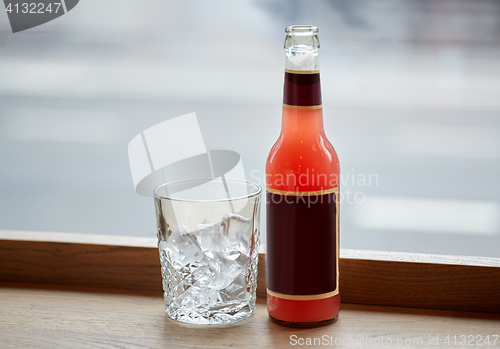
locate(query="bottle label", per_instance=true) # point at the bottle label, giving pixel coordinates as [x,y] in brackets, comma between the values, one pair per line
[302,244]
[302,89]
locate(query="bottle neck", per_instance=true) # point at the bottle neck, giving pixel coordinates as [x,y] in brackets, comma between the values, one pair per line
[302,108]
[302,90]
[302,114]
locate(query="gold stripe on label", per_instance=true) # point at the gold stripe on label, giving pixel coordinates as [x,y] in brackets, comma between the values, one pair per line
[302,71]
[302,107]
[303,193]
[304,297]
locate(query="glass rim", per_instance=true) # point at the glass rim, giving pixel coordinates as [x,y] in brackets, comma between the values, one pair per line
[301,30]
[249,196]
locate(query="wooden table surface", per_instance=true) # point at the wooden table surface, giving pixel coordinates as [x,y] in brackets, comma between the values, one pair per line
[43,318]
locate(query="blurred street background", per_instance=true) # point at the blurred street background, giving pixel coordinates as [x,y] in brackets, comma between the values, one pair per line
[411,96]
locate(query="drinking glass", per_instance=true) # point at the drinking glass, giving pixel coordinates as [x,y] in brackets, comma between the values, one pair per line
[208,239]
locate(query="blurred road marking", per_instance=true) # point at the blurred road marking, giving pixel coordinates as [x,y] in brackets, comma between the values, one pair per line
[373,85]
[69,126]
[456,141]
[428,215]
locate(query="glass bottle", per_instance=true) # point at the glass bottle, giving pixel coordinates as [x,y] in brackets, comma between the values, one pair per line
[302,179]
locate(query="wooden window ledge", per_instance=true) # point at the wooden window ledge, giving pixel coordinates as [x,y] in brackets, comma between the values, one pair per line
[65,319]
[118,304]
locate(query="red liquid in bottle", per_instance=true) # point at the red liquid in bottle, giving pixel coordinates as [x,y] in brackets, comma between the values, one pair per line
[302,175]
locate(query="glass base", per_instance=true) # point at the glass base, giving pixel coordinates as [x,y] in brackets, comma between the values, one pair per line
[211,318]
[305,324]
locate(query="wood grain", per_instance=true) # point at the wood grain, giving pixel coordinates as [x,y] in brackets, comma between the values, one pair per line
[62,319]
[129,268]
[367,277]
[86,262]
[420,285]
